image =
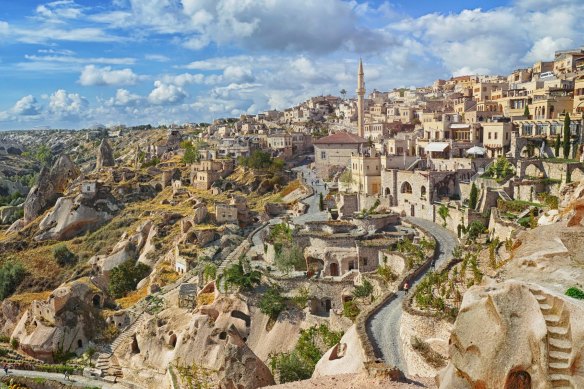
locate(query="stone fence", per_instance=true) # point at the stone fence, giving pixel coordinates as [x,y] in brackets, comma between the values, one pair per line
[370,355]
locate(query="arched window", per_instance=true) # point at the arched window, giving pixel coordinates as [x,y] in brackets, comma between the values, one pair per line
[423,191]
[406,187]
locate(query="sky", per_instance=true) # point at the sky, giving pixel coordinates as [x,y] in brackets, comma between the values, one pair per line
[78,63]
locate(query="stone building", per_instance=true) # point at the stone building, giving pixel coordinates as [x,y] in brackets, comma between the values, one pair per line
[333,153]
[225,213]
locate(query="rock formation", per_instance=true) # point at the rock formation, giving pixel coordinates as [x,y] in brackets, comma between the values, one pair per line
[105,155]
[213,339]
[515,335]
[51,183]
[65,322]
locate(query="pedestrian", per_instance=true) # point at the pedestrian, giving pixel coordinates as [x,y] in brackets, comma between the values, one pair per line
[66,373]
[6,368]
[406,287]
[325,186]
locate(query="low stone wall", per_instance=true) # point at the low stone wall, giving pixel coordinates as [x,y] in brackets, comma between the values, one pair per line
[376,222]
[500,228]
[366,339]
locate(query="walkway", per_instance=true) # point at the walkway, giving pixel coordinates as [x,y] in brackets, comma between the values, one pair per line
[75,380]
[385,324]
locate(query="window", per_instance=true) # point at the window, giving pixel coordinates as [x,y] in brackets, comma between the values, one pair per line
[323,155]
[365,261]
[489,135]
[496,135]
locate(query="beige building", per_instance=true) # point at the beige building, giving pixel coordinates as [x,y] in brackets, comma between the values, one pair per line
[496,137]
[366,174]
[334,152]
[225,213]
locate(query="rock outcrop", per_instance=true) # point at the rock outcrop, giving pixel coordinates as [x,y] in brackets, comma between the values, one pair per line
[65,322]
[9,214]
[70,217]
[515,335]
[105,156]
[51,184]
[213,339]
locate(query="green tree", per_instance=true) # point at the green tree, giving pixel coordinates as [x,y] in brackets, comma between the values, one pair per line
[321,202]
[444,213]
[363,290]
[272,302]
[191,154]
[343,92]
[210,272]
[11,275]
[475,229]
[63,255]
[289,257]
[557,146]
[474,196]
[526,112]
[125,277]
[566,144]
[239,275]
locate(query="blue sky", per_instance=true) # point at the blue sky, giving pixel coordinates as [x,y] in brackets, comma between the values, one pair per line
[74,63]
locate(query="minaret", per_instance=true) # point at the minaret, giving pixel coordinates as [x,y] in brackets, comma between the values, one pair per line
[360,101]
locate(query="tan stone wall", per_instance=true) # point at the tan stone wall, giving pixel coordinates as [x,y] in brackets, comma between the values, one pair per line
[334,155]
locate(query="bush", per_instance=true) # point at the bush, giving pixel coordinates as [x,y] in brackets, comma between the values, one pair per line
[11,275]
[63,255]
[575,293]
[14,343]
[362,291]
[125,277]
[272,302]
[351,310]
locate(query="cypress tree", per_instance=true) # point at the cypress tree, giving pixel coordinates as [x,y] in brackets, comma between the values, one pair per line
[474,195]
[567,136]
[526,111]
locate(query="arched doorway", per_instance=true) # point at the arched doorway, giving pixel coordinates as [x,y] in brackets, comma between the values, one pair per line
[423,191]
[96,301]
[334,269]
[387,192]
[406,187]
[518,380]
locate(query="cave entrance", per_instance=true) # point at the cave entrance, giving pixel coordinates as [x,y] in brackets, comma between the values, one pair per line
[96,301]
[518,380]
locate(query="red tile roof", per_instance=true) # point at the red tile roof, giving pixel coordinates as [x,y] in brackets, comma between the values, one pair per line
[340,138]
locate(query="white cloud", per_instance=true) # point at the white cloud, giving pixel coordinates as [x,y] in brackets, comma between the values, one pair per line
[92,75]
[26,106]
[165,94]
[156,57]
[124,98]
[183,79]
[544,49]
[57,10]
[64,105]
[238,74]
[70,59]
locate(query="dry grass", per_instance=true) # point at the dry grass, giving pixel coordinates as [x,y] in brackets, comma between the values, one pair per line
[166,275]
[24,299]
[430,356]
[291,187]
[205,299]
[133,297]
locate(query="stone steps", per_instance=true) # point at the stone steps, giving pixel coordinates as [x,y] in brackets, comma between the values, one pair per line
[558,338]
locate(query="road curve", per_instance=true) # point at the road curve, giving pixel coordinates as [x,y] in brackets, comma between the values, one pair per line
[383,327]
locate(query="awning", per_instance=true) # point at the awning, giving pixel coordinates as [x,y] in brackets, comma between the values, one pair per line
[476,150]
[436,146]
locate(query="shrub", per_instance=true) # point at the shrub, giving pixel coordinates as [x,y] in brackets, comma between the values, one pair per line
[386,273]
[240,275]
[432,357]
[210,272]
[350,310]
[11,275]
[474,196]
[125,277]
[575,293]
[63,255]
[289,257]
[14,343]
[272,302]
[475,229]
[364,290]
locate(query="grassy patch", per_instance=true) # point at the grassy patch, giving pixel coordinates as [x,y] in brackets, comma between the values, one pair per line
[432,357]
[133,297]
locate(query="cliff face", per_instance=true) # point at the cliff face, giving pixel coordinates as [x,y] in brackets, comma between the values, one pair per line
[211,341]
[513,334]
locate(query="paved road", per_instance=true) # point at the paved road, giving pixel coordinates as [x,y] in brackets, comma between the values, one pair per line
[75,380]
[314,213]
[385,324]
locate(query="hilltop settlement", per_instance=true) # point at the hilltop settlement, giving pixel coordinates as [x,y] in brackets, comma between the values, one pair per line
[426,237]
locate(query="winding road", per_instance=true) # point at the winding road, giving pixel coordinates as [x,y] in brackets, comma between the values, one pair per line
[384,326]
[75,380]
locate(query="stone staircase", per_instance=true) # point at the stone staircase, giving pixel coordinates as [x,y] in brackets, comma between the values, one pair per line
[559,338]
[106,361]
[504,195]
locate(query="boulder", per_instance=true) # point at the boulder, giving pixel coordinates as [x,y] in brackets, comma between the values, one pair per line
[51,184]
[9,214]
[105,156]
[69,218]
